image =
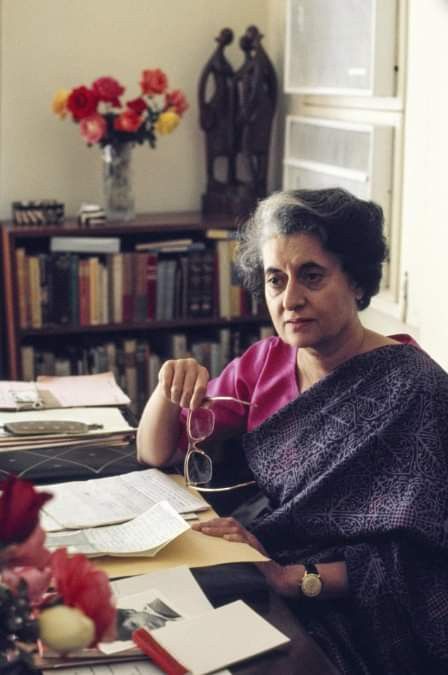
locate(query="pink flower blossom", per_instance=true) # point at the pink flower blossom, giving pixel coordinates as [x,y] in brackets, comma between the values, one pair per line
[31,552]
[93,128]
[37,581]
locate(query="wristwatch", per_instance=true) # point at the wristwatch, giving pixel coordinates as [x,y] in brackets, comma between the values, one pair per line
[311,584]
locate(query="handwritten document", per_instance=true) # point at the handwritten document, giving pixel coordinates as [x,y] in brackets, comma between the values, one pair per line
[115,499]
[144,535]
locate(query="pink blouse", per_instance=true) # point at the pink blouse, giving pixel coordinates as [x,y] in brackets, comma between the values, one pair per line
[265,375]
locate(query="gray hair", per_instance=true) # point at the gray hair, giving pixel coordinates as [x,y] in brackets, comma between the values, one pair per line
[348,227]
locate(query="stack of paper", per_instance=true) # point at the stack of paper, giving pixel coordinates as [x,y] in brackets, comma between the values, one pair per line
[143,536]
[115,499]
[113,428]
[62,392]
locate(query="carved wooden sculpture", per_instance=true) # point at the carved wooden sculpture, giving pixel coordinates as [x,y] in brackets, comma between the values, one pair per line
[236,113]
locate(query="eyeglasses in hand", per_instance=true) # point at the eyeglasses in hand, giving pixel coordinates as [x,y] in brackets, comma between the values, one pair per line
[198,466]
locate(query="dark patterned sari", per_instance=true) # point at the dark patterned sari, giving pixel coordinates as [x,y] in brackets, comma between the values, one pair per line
[356,469]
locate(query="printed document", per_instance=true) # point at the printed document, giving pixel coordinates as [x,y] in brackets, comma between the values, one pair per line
[145,535]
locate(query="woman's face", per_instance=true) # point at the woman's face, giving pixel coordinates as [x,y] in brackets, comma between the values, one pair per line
[311,301]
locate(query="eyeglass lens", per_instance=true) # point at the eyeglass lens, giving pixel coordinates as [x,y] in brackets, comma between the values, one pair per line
[200,468]
[201,423]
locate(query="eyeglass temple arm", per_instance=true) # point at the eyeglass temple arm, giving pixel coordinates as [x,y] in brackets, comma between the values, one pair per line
[228,398]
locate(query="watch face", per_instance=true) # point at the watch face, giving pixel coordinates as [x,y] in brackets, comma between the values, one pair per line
[311,585]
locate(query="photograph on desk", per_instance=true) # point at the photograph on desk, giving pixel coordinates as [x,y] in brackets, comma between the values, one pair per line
[149,609]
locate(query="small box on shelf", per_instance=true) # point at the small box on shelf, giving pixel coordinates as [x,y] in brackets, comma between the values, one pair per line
[39,213]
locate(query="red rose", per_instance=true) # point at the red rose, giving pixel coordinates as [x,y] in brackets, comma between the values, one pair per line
[20,504]
[82,102]
[108,89]
[137,105]
[81,585]
[127,121]
[176,100]
[153,81]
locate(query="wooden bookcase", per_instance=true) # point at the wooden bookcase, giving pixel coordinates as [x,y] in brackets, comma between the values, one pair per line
[59,338]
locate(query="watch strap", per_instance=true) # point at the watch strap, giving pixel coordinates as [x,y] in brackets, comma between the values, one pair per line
[310,568]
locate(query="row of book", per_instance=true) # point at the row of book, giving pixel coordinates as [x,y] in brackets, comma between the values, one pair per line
[133,361]
[66,288]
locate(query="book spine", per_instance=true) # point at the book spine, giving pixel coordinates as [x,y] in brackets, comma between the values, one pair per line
[35,294]
[208,275]
[161,288]
[74,290]
[141,361]
[22,291]
[170,288]
[141,295]
[194,283]
[83,276]
[130,369]
[128,287]
[151,285]
[117,314]
[223,252]
[93,291]
[60,285]
[27,358]
[105,283]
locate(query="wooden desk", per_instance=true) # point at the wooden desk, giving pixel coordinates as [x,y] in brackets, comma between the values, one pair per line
[302,656]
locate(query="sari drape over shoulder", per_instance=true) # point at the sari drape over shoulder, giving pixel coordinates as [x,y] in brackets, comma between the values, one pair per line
[356,469]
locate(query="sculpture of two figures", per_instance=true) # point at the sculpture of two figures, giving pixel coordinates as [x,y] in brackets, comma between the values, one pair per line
[236,112]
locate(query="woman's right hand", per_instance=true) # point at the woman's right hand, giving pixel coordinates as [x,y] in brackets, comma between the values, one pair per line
[184,381]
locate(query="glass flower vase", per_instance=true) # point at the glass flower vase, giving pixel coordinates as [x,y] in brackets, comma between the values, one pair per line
[119,202]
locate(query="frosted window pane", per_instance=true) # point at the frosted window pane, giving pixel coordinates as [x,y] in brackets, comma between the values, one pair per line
[345,148]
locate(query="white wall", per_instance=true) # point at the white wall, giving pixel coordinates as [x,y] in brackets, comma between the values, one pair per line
[51,44]
[424,243]
[425,187]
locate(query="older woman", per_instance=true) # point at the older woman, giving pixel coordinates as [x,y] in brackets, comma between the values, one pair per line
[348,439]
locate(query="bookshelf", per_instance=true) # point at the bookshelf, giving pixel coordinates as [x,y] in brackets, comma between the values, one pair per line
[74,312]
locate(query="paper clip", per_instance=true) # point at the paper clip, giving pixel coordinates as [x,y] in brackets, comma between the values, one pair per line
[149,646]
[27,399]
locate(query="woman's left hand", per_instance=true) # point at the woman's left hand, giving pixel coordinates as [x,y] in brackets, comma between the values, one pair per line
[282,579]
[229,529]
